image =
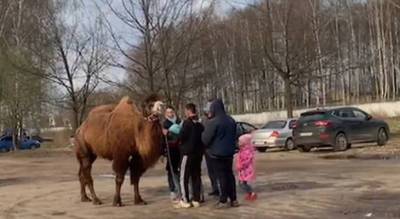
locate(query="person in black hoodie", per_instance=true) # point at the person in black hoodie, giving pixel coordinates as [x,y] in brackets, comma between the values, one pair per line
[219,137]
[192,152]
[210,169]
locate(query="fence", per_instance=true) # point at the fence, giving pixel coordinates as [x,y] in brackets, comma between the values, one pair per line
[381,110]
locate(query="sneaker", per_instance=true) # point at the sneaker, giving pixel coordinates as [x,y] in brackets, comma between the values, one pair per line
[252,196]
[247,198]
[221,205]
[235,204]
[195,204]
[173,195]
[183,204]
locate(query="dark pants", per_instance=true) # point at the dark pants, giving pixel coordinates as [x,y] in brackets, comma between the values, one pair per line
[245,186]
[226,179]
[173,177]
[191,172]
[212,174]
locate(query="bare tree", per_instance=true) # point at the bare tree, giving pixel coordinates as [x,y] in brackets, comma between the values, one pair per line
[21,94]
[75,59]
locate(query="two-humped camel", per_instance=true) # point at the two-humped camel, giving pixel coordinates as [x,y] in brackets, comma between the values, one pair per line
[130,138]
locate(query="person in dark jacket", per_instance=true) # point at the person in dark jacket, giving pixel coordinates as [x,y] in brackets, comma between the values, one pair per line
[171,128]
[210,170]
[192,152]
[219,137]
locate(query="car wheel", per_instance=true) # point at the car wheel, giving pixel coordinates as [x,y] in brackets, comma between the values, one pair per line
[304,148]
[382,137]
[289,145]
[341,142]
[262,150]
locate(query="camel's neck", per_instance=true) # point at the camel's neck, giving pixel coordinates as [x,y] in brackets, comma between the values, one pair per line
[149,145]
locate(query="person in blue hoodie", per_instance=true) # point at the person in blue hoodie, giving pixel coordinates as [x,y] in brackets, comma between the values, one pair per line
[171,129]
[219,137]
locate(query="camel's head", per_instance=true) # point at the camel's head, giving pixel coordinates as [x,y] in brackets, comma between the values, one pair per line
[153,106]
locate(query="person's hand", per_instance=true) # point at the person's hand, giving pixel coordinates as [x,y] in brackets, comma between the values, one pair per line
[175,129]
[165,131]
[162,159]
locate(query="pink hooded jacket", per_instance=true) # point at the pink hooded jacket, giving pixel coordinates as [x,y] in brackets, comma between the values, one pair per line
[245,162]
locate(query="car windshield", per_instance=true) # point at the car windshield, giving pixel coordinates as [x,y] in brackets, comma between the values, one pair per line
[7,138]
[313,116]
[275,125]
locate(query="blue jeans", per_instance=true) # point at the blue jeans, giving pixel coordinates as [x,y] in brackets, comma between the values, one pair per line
[245,187]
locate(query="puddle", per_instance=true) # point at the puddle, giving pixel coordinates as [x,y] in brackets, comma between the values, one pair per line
[11,181]
[380,196]
[286,186]
[361,157]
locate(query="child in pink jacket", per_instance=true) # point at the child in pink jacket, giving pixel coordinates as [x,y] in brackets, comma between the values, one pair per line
[245,165]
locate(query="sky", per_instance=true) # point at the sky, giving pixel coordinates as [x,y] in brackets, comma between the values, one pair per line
[89,11]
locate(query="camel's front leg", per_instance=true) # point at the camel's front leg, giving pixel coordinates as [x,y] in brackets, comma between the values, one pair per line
[137,170]
[120,167]
[138,198]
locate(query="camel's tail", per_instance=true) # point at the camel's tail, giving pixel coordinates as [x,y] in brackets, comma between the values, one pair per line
[79,142]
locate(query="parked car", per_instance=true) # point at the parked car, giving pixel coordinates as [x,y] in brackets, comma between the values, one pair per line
[339,128]
[6,144]
[29,144]
[244,128]
[275,134]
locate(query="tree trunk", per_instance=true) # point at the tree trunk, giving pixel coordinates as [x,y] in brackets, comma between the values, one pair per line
[288,98]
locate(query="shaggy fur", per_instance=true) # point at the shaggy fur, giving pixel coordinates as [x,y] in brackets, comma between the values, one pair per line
[122,134]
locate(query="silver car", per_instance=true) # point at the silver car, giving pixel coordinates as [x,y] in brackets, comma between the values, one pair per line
[277,133]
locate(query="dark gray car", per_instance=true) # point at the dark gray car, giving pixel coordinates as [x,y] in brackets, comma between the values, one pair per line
[339,128]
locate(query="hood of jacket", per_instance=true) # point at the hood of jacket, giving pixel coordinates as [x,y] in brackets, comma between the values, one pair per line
[217,108]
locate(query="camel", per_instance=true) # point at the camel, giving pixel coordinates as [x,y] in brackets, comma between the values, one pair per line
[124,135]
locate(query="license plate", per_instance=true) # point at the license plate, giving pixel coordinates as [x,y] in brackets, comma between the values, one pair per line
[306,134]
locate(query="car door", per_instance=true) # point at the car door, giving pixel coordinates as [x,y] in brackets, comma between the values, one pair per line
[25,144]
[239,130]
[351,124]
[247,128]
[7,142]
[287,132]
[365,130]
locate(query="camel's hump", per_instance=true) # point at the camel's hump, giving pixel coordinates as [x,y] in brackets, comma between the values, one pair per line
[126,100]
[125,105]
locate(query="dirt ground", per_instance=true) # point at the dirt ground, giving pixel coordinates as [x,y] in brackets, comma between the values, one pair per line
[360,183]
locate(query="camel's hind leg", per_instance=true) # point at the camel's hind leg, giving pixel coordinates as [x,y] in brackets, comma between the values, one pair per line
[120,166]
[85,178]
[86,159]
[137,170]
[86,170]
[84,197]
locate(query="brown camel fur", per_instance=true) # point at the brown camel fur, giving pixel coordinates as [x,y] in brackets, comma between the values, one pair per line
[126,136]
